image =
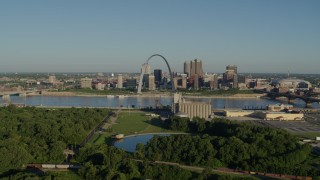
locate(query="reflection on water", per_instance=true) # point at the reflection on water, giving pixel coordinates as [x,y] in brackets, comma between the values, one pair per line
[129,144]
[139,102]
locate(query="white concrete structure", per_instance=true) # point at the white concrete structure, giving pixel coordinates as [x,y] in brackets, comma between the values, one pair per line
[237,113]
[293,83]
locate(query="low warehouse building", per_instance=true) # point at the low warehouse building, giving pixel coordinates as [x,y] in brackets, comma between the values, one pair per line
[281,116]
[237,113]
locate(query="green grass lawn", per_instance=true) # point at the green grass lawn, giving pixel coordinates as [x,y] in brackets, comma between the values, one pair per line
[101,138]
[131,123]
[136,123]
[64,175]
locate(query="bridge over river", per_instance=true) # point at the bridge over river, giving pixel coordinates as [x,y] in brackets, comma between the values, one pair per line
[7,94]
[291,97]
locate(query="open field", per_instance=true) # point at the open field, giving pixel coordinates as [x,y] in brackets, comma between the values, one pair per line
[129,123]
[136,123]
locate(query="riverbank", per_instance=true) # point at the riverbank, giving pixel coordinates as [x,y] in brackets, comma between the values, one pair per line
[156,94]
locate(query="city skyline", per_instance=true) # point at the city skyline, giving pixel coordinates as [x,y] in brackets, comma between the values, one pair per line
[80,36]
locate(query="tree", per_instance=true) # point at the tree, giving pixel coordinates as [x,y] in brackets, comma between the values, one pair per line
[88,171]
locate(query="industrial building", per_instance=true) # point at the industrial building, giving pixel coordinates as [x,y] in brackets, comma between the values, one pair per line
[279,107]
[190,109]
[280,116]
[273,112]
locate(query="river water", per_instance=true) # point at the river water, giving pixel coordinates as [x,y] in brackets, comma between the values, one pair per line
[140,102]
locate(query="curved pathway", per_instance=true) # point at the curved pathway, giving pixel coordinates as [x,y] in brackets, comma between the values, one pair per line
[132,135]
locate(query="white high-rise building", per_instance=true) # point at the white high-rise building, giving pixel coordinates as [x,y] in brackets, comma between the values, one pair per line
[150,82]
[146,69]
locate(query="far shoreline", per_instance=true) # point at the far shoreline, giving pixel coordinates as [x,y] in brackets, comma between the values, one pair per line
[146,95]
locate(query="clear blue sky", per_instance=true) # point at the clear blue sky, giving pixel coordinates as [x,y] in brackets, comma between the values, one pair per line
[118,36]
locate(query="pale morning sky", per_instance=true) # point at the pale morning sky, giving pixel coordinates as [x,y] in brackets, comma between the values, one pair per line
[119,35]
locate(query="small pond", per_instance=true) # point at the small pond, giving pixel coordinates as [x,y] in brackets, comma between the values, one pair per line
[129,143]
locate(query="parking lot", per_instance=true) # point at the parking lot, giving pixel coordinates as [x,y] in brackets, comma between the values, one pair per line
[292,126]
[310,124]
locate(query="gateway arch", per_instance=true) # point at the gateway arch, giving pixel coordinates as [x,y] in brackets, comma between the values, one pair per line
[142,72]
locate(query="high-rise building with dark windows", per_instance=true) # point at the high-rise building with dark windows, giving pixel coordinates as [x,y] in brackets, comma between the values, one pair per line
[157,76]
[230,77]
[196,68]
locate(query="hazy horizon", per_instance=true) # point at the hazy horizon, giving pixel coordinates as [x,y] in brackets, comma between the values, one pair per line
[118,36]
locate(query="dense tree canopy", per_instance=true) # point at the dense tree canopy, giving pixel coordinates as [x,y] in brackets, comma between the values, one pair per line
[235,145]
[108,162]
[39,135]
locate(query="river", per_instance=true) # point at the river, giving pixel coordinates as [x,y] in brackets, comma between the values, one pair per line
[140,102]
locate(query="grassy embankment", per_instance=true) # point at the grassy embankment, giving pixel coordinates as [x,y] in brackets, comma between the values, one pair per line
[128,123]
[308,135]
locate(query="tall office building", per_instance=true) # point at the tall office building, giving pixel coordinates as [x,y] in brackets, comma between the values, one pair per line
[232,68]
[213,83]
[158,76]
[120,82]
[146,69]
[196,68]
[196,82]
[150,82]
[230,77]
[186,68]
[235,80]
[192,68]
[199,70]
